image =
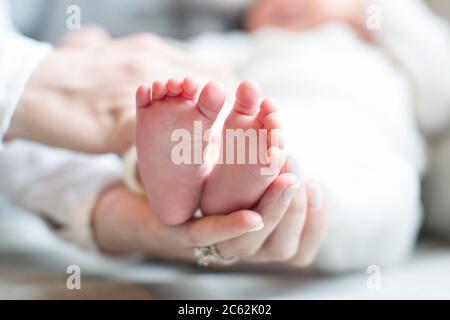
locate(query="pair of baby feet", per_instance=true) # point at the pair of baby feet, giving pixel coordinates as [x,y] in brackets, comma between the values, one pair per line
[184,148]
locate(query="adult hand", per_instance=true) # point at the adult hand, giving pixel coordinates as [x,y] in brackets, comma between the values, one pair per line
[285,226]
[81,96]
[295,218]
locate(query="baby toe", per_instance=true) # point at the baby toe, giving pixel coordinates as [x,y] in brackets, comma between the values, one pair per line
[159,90]
[190,88]
[248,96]
[174,87]
[143,96]
[211,100]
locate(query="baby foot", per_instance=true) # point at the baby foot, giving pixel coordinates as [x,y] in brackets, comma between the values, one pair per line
[240,185]
[173,188]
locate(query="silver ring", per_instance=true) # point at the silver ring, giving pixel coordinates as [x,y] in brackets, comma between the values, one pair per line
[207,255]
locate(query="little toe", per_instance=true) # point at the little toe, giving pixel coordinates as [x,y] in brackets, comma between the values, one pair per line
[211,100]
[174,87]
[190,88]
[159,90]
[247,98]
[143,96]
[267,107]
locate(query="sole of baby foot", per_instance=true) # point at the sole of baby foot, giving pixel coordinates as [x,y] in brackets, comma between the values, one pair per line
[252,133]
[167,113]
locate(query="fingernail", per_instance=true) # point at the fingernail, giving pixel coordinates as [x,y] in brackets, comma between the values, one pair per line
[257,228]
[259,224]
[289,193]
[315,195]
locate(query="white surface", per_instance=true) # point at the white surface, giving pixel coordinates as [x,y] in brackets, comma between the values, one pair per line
[28,250]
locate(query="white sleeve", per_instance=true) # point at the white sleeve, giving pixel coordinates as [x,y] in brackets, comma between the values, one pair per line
[5,19]
[420,42]
[19,56]
[61,185]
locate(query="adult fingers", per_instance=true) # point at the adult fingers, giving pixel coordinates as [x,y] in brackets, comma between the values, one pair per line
[272,208]
[283,243]
[210,230]
[315,227]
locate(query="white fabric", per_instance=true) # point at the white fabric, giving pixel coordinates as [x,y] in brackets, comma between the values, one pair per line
[349,118]
[60,185]
[420,41]
[131,179]
[19,56]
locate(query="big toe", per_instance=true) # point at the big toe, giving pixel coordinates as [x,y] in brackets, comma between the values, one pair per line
[211,100]
[248,97]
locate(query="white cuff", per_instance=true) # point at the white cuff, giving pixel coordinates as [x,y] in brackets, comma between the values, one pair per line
[132,182]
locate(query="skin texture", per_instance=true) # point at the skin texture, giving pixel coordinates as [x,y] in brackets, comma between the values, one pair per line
[251,115]
[162,110]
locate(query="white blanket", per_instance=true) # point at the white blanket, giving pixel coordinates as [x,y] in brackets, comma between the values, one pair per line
[349,120]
